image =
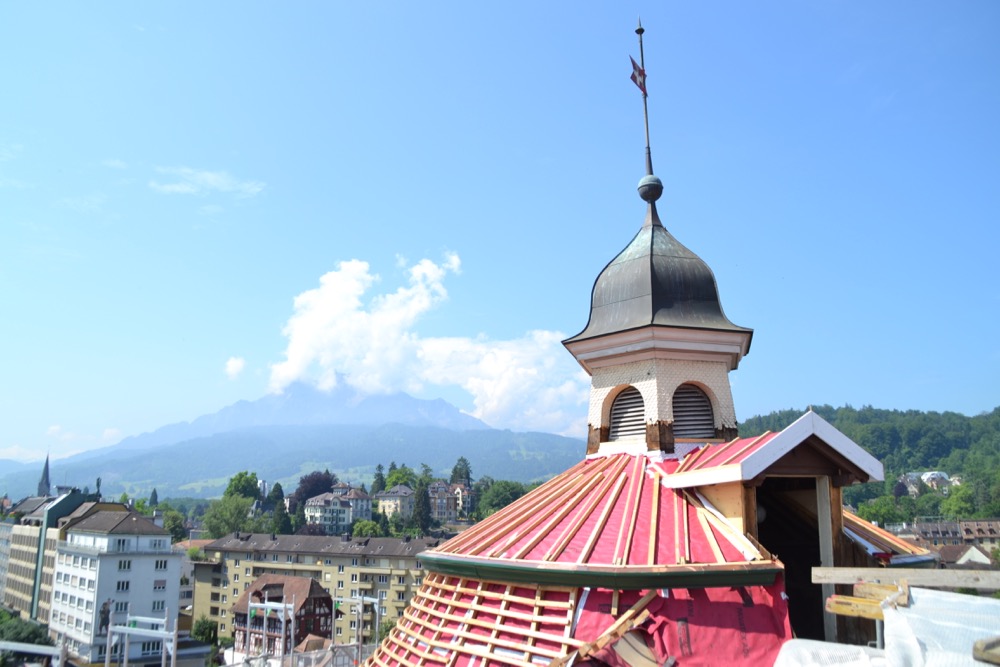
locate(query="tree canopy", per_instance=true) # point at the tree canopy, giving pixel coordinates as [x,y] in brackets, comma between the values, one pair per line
[401,475]
[314,484]
[461,473]
[243,484]
[228,515]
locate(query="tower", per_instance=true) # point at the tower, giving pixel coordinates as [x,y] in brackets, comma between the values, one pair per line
[658,346]
[44,485]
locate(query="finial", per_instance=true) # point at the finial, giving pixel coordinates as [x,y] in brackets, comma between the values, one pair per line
[650,187]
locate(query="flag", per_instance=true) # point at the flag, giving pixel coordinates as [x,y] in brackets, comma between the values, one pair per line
[638,75]
[253,613]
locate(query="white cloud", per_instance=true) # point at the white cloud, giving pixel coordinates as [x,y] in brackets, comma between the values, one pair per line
[85,204]
[529,383]
[234,366]
[111,434]
[114,163]
[10,151]
[202,182]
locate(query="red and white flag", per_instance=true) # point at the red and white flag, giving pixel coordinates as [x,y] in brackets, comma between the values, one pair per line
[638,75]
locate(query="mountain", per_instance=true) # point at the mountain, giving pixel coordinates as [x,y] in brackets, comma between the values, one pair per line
[300,405]
[282,437]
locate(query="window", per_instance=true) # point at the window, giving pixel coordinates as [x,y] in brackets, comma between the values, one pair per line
[160,585]
[693,416]
[225,598]
[158,605]
[339,632]
[382,594]
[340,584]
[236,577]
[400,580]
[400,596]
[274,558]
[121,544]
[383,578]
[236,563]
[222,613]
[161,564]
[158,544]
[121,607]
[354,624]
[122,586]
[354,562]
[151,648]
[222,626]
[124,565]
[340,569]
[628,418]
[236,592]
[246,572]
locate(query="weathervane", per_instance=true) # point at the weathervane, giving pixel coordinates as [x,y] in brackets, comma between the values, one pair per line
[650,187]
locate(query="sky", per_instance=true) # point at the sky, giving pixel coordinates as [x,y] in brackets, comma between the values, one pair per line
[204,202]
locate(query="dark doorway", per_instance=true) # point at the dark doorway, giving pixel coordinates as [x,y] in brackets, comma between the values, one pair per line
[789,531]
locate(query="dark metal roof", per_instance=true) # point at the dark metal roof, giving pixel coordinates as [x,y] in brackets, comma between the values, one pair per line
[655,281]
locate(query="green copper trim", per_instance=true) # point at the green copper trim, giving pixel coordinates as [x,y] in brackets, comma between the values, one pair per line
[622,578]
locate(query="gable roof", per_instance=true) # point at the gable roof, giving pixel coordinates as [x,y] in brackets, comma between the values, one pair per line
[744,459]
[278,588]
[117,523]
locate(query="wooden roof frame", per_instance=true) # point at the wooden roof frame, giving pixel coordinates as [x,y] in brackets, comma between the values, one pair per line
[805,430]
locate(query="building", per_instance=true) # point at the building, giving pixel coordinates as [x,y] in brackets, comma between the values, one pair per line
[33,540]
[277,632]
[659,545]
[337,510]
[981,532]
[109,565]
[185,592]
[397,500]
[385,569]
[443,502]
[6,528]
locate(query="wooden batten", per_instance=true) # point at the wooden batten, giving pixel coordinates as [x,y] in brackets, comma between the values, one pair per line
[730,500]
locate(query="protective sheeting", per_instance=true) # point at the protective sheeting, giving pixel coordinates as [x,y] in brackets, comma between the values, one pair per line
[453,621]
[707,626]
[612,510]
[937,629]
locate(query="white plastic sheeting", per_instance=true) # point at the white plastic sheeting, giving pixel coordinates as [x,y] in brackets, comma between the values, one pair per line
[937,630]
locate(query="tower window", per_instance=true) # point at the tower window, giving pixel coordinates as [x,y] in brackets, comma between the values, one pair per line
[627,415]
[693,416]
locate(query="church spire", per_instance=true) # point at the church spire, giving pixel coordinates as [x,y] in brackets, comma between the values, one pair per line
[44,486]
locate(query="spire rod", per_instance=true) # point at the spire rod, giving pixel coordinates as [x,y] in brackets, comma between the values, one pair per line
[650,187]
[645,106]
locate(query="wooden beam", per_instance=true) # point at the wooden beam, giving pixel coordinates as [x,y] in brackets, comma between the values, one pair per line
[979,579]
[845,605]
[987,650]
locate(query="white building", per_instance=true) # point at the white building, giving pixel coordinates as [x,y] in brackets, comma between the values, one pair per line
[109,565]
[336,511]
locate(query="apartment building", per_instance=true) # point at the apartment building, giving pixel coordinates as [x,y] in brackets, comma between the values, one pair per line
[397,500]
[33,540]
[277,632]
[109,565]
[385,570]
[337,510]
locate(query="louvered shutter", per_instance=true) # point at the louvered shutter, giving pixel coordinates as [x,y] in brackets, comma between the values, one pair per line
[627,415]
[693,416]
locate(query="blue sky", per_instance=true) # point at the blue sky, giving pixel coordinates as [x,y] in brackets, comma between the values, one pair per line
[201,202]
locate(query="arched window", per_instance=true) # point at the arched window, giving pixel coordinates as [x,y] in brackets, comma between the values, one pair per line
[627,415]
[693,416]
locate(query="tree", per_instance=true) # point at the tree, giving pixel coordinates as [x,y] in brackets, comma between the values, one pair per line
[243,484]
[499,495]
[299,519]
[311,529]
[422,507]
[123,498]
[14,629]
[154,499]
[276,496]
[461,473]
[385,626]
[173,521]
[378,482]
[314,484]
[281,523]
[205,630]
[401,475]
[366,529]
[960,503]
[881,510]
[194,553]
[426,474]
[228,515]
